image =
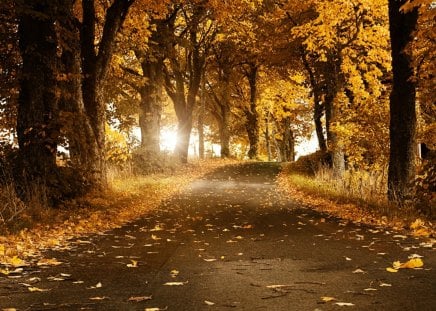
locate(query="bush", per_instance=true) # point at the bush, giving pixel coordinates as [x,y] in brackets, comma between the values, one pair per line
[310,164]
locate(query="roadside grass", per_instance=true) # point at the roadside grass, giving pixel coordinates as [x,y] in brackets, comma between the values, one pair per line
[358,197]
[129,197]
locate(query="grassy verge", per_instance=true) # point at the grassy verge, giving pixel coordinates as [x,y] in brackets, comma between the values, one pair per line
[128,198]
[357,199]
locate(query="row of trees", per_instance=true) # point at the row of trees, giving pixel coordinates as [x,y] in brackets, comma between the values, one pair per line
[270,69]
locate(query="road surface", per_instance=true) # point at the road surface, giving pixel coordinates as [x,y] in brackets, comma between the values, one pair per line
[231,242]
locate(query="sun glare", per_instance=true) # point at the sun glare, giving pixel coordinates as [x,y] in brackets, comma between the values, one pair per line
[168,139]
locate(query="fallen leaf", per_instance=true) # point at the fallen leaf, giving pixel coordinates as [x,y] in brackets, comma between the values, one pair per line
[344,304]
[175,283]
[358,271]
[99,298]
[209,303]
[9,309]
[134,264]
[17,262]
[5,271]
[412,264]
[327,298]
[278,286]
[54,278]
[209,259]
[48,262]
[98,285]
[370,289]
[385,285]
[156,309]
[389,269]
[174,273]
[37,289]
[139,298]
[154,237]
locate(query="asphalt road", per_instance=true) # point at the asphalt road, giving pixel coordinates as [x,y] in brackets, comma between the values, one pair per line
[231,242]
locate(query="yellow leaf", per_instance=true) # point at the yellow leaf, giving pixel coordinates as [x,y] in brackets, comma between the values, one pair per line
[134,264]
[17,262]
[391,269]
[412,263]
[417,224]
[422,232]
[2,250]
[4,271]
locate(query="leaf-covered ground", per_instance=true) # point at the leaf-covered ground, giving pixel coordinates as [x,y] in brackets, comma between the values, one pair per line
[395,218]
[128,199]
[231,241]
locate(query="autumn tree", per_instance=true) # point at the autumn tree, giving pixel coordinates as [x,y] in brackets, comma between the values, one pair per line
[286,111]
[402,24]
[192,32]
[346,49]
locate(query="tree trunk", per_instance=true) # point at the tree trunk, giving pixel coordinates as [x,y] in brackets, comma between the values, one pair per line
[95,65]
[251,125]
[317,115]
[76,126]
[336,152]
[267,137]
[200,120]
[150,109]
[402,103]
[184,128]
[38,126]
[318,107]
[224,131]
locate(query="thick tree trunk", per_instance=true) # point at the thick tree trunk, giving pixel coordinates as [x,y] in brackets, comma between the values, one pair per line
[150,109]
[224,132]
[95,65]
[251,125]
[38,125]
[184,129]
[76,125]
[336,153]
[402,103]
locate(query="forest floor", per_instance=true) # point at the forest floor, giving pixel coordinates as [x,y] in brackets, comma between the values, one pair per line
[231,240]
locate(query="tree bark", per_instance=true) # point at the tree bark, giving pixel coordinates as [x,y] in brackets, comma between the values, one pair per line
[95,64]
[200,120]
[267,136]
[402,103]
[318,108]
[335,151]
[38,126]
[150,109]
[251,125]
